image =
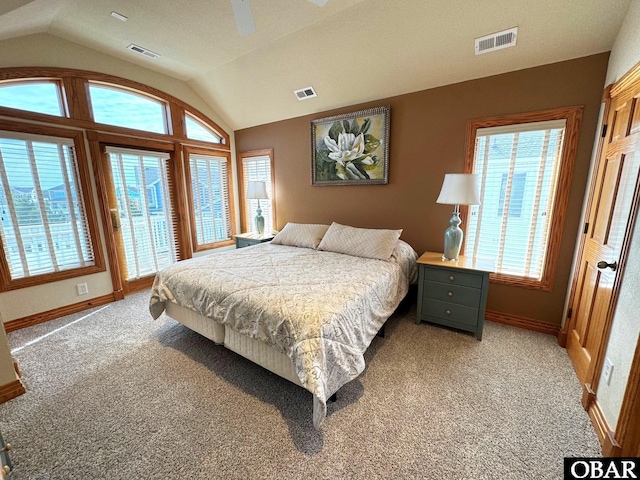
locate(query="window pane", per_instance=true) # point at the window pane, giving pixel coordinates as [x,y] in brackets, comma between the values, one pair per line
[258,168]
[44,226]
[210,192]
[144,210]
[39,97]
[122,108]
[197,130]
[519,173]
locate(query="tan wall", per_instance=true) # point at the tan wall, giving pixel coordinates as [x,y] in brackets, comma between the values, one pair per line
[427,140]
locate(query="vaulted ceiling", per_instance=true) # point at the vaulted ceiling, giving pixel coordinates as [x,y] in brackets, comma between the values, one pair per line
[350,51]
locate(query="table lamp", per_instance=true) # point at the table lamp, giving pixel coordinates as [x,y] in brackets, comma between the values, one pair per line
[457,189]
[258,191]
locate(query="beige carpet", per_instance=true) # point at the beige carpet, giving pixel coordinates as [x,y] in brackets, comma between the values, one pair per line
[116,395]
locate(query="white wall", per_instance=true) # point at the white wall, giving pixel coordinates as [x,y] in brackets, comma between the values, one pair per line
[44,50]
[626,323]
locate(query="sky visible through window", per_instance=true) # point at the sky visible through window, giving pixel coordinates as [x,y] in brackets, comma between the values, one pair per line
[33,97]
[110,106]
[126,109]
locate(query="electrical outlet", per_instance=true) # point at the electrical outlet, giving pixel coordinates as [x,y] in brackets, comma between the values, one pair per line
[82,288]
[608,370]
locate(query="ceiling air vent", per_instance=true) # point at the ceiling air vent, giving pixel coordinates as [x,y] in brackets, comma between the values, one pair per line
[143,51]
[304,93]
[497,41]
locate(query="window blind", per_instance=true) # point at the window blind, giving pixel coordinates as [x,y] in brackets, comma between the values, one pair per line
[210,196]
[146,216]
[518,167]
[258,168]
[44,222]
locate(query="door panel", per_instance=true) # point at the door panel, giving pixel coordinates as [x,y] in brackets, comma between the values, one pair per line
[608,217]
[605,198]
[620,125]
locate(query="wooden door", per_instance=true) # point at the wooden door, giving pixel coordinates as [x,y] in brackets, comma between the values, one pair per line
[610,216]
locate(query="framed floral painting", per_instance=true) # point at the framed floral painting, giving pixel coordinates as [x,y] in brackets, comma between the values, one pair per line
[351,149]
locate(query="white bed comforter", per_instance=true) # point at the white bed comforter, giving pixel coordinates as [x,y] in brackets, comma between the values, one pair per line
[321,309]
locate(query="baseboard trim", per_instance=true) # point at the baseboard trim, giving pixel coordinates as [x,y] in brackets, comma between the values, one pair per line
[522,322]
[610,448]
[562,338]
[11,390]
[42,317]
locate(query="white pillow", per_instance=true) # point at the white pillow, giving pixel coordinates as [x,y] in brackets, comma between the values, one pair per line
[304,235]
[360,242]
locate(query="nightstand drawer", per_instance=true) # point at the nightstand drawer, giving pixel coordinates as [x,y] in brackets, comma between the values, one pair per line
[452,293]
[248,239]
[450,311]
[244,242]
[452,276]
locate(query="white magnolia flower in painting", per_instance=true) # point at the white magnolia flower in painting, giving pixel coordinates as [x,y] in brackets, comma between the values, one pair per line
[348,148]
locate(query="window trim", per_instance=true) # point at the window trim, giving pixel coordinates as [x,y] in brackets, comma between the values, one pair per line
[573,117]
[244,223]
[6,283]
[196,247]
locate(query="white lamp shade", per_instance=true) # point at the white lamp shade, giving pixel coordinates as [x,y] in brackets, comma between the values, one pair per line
[459,189]
[257,190]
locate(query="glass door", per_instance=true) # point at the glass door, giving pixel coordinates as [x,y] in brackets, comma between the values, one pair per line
[142,213]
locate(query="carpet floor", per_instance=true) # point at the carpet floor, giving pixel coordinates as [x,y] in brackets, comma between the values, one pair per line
[113,394]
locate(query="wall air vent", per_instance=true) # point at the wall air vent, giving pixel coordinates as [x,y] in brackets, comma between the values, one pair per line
[497,41]
[143,51]
[304,93]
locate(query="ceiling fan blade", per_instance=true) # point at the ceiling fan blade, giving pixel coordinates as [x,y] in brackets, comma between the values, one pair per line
[320,3]
[244,17]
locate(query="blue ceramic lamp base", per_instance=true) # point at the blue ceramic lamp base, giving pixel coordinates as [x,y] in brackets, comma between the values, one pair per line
[453,237]
[259,220]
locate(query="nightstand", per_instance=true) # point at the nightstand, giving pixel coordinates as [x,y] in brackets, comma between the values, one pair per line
[453,293]
[248,239]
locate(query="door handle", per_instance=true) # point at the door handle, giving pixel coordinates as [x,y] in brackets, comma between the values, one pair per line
[115,219]
[613,266]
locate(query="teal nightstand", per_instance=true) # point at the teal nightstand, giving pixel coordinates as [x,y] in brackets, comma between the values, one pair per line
[453,293]
[248,239]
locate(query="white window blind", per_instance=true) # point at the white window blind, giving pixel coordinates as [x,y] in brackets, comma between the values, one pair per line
[258,168]
[44,222]
[210,194]
[518,167]
[146,218]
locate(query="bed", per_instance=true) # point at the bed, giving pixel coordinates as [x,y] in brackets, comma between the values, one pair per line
[302,306]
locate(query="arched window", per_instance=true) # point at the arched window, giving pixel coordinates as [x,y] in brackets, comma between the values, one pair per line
[198,130]
[39,96]
[49,221]
[122,108]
